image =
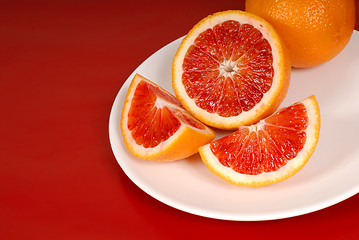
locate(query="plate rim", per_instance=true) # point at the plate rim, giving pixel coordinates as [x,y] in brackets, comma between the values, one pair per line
[203,212]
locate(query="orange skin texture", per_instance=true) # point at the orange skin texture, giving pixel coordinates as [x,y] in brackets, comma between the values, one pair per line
[314,31]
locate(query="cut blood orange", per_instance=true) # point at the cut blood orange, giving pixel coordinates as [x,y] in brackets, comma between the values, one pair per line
[155,126]
[270,151]
[231,70]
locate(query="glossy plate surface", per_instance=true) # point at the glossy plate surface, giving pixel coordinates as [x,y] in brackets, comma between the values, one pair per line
[330,176]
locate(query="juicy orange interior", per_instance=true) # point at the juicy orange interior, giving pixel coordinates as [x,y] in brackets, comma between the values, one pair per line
[151,123]
[266,146]
[228,68]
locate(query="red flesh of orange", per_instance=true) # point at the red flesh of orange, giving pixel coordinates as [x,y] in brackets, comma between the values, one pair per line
[266,148]
[242,45]
[149,124]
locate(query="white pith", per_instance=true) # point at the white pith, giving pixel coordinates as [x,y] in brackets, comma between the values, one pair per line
[265,178]
[161,103]
[228,68]
[259,108]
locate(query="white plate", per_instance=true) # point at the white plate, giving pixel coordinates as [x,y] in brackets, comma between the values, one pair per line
[330,176]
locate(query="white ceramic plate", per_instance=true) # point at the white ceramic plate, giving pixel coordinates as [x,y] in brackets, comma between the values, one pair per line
[330,176]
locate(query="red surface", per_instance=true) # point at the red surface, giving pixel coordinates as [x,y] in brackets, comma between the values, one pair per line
[61,66]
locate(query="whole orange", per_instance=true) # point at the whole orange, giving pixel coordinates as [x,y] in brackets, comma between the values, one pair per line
[314,31]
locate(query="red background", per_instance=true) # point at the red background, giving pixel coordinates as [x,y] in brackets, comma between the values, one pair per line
[61,65]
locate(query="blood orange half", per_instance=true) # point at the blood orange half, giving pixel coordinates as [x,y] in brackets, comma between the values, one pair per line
[231,70]
[155,126]
[270,151]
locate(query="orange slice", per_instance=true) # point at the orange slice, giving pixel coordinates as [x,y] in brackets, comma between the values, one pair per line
[155,126]
[268,152]
[231,70]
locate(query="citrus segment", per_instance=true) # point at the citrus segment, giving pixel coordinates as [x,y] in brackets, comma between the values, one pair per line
[231,69]
[268,152]
[313,31]
[155,126]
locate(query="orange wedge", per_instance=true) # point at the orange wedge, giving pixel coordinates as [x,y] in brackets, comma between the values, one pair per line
[268,152]
[155,126]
